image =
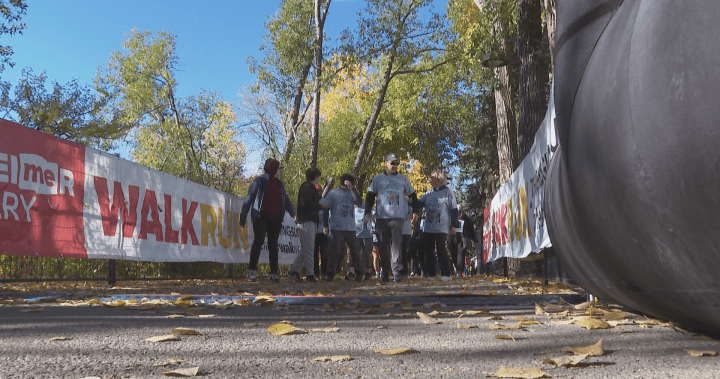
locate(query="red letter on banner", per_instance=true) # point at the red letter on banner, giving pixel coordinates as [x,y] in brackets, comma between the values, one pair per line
[187,227]
[150,226]
[110,215]
[171,236]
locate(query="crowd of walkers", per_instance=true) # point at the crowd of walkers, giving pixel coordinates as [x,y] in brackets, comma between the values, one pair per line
[391,235]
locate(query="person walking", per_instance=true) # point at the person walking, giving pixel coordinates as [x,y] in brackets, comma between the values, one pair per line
[390,188]
[441,217]
[461,242]
[364,234]
[308,207]
[341,202]
[269,203]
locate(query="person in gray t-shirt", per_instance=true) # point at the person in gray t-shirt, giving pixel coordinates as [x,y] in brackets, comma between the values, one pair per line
[341,202]
[441,218]
[390,189]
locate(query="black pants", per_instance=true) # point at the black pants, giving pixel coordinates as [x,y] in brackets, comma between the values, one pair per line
[457,251]
[321,258]
[429,242]
[264,226]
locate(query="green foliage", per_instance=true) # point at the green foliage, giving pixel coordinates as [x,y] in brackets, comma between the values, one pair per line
[193,138]
[12,11]
[69,112]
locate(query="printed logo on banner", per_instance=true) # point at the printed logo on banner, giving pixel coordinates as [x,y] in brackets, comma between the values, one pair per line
[40,193]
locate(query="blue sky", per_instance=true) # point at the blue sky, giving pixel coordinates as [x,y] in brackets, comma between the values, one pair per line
[70,39]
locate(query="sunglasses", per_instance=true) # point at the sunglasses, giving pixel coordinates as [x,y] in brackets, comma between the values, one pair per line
[395,163]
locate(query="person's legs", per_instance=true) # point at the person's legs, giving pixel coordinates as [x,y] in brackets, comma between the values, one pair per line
[259,231]
[273,233]
[427,246]
[384,236]
[396,225]
[405,254]
[336,243]
[306,232]
[355,253]
[442,254]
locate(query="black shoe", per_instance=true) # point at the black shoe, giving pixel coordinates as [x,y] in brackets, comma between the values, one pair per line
[385,277]
[368,276]
[359,278]
[350,276]
[328,278]
[397,278]
[294,276]
[310,278]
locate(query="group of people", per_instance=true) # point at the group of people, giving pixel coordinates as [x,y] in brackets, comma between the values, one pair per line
[390,204]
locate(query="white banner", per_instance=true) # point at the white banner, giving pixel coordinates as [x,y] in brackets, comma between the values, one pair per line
[515,219]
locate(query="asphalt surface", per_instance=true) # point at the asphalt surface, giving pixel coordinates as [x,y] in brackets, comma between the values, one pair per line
[103,332]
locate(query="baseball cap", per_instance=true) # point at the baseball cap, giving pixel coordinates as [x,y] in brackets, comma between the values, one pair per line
[391,157]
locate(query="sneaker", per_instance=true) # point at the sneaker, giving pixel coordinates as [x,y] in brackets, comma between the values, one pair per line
[377,274]
[328,278]
[252,275]
[397,278]
[368,275]
[311,279]
[445,278]
[350,276]
[430,277]
[385,277]
[294,276]
[359,278]
[274,278]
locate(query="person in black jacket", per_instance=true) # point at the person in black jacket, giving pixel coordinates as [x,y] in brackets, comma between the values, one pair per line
[269,202]
[461,243]
[308,206]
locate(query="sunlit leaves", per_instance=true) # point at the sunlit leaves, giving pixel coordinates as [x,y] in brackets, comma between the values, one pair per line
[520,372]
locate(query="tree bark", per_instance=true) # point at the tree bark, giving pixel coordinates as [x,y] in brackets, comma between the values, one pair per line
[314,131]
[507,129]
[533,73]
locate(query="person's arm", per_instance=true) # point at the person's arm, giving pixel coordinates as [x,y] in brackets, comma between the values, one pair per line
[356,196]
[252,193]
[369,202]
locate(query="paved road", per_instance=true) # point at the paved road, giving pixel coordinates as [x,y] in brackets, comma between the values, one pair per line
[110,342]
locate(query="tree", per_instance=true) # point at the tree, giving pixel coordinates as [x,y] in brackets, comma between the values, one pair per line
[70,111]
[395,35]
[12,11]
[320,15]
[192,138]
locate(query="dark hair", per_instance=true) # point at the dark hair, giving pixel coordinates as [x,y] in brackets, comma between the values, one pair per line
[345,177]
[311,174]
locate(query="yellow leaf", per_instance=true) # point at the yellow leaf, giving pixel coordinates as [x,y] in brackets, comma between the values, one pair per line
[332,328]
[593,350]
[593,323]
[183,372]
[584,305]
[464,326]
[182,303]
[427,319]
[518,372]
[539,311]
[185,298]
[284,330]
[186,332]
[402,350]
[399,314]
[565,361]
[333,358]
[614,315]
[165,338]
[702,353]
[61,338]
[514,326]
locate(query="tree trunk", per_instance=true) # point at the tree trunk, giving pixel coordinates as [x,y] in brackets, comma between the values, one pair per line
[507,129]
[550,15]
[533,73]
[314,131]
[295,115]
[387,76]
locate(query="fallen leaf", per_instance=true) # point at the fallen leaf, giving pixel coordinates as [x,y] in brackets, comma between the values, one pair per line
[584,305]
[514,326]
[427,319]
[183,372]
[464,326]
[504,337]
[170,362]
[382,327]
[702,353]
[565,361]
[593,350]
[165,338]
[186,332]
[518,372]
[593,323]
[282,329]
[333,358]
[332,328]
[539,311]
[475,312]
[402,350]
[61,338]
[399,314]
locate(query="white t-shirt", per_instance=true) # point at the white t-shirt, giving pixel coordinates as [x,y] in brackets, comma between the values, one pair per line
[391,191]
